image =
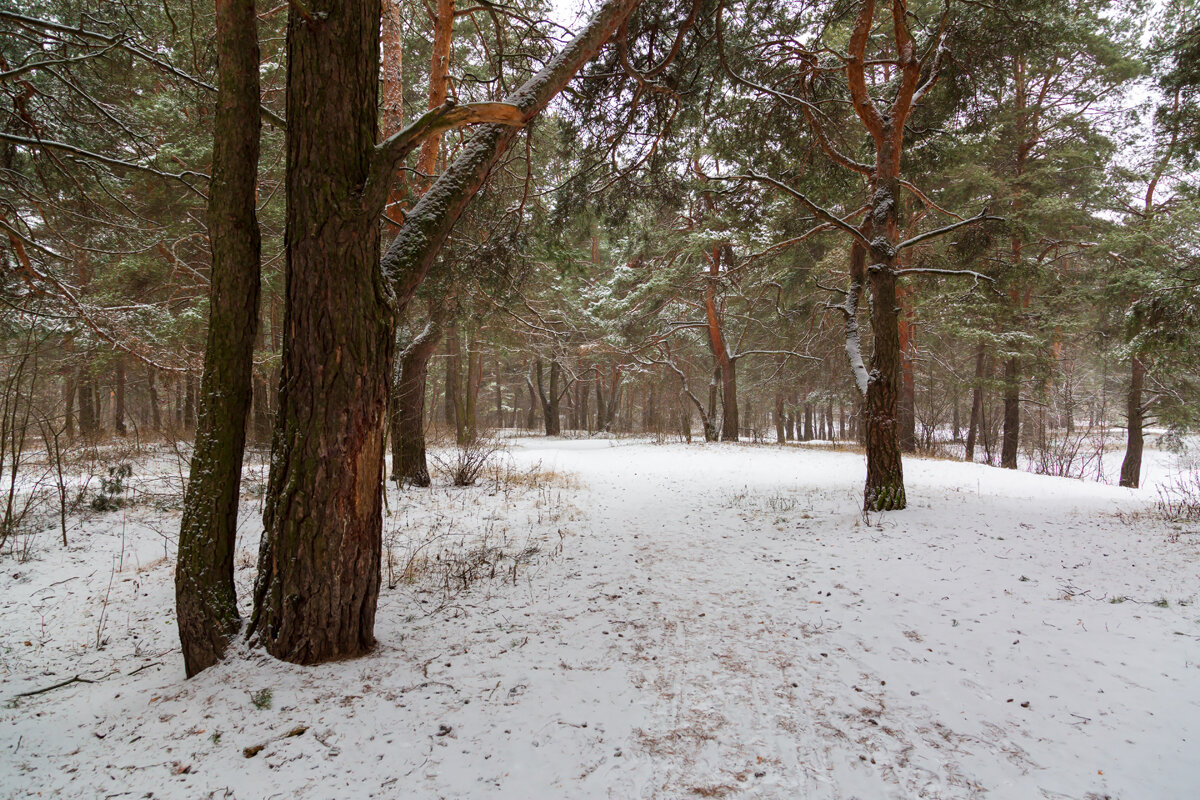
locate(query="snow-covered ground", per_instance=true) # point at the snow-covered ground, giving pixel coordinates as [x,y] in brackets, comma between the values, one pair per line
[632,620]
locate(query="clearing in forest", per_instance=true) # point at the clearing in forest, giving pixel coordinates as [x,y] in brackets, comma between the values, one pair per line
[604,618]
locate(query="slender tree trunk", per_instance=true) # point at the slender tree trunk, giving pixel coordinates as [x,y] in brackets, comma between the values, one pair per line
[549,399]
[1131,466]
[155,409]
[189,403]
[531,415]
[730,421]
[87,406]
[407,413]
[908,392]
[474,383]
[1011,439]
[69,404]
[206,600]
[780,434]
[974,428]
[318,581]
[499,396]
[454,399]
[261,410]
[119,398]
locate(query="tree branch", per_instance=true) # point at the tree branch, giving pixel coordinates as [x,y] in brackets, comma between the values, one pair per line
[980,217]
[819,211]
[393,150]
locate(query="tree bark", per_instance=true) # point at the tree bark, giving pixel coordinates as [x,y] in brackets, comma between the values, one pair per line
[318,582]
[87,405]
[155,409]
[1011,439]
[976,424]
[69,404]
[1131,465]
[908,393]
[549,399]
[407,415]
[206,600]
[780,434]
[119,398]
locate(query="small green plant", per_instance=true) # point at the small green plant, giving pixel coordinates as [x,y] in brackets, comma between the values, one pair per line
[1161,603]
[112,487]
[261,699]
[216,737]
[1120,599]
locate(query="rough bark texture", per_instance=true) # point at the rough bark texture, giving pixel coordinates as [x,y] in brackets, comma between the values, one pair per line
[1131,466]
[407,414]
[908,391]
[318,581]
[206,600]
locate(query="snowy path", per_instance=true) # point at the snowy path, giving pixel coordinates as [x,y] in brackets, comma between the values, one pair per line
[719,623]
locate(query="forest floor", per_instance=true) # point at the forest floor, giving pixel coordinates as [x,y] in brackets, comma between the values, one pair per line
[617,619]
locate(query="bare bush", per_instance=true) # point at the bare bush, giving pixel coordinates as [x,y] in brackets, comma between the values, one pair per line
[464,465]
[1074,454]
[1179,499]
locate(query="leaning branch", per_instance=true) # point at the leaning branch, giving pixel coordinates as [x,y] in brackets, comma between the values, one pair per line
[819,211]
[982,216]
[391,152]
[426,228]
[107,160]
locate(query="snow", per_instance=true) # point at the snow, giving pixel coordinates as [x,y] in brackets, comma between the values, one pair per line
[712,620]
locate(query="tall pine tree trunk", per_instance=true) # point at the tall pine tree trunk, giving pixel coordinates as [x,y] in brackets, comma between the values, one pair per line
[206,600]
[318,581]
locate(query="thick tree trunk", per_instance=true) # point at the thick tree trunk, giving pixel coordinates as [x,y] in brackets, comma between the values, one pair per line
[884,489]
[1011,438]
[1131,466]
[318,581]
[974,429]
[407,414]
[206,600]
